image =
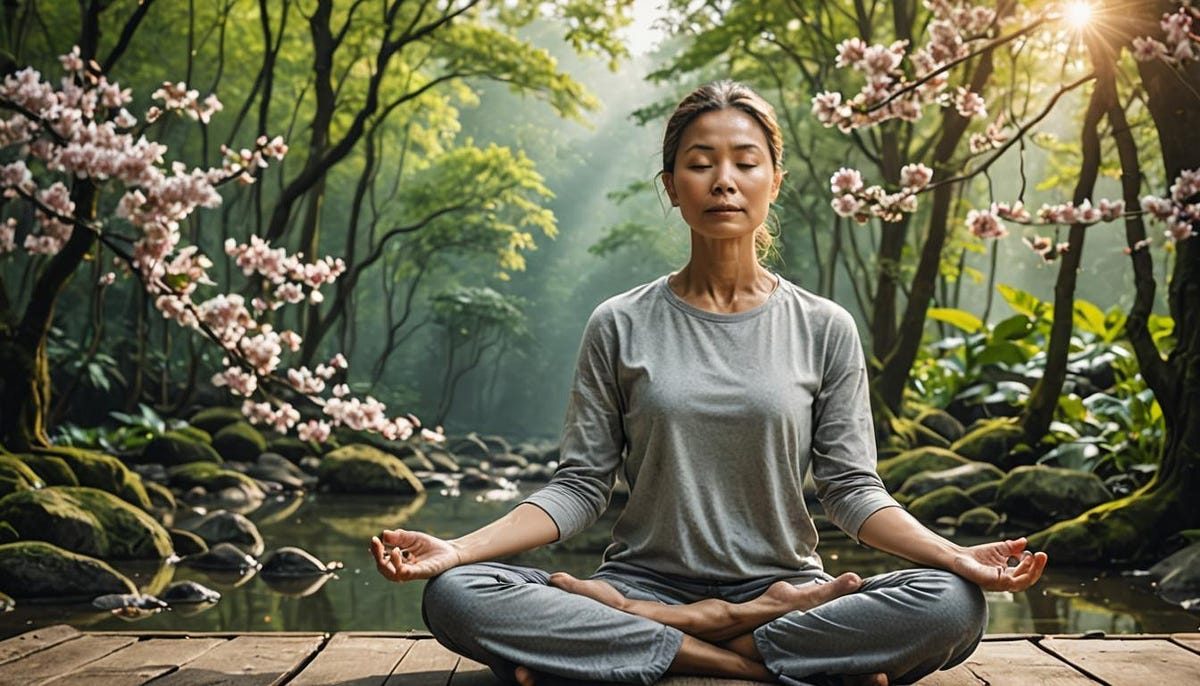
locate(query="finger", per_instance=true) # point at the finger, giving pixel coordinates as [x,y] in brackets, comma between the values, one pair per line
[376,548]
[385,567]
[399,537]
[1017,546]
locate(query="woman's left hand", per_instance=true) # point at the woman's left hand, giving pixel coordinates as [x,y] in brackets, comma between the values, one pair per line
[988,566]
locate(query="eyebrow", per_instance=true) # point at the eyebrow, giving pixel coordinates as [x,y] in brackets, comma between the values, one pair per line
[709,148]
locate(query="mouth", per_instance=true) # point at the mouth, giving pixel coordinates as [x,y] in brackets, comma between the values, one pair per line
[731,209]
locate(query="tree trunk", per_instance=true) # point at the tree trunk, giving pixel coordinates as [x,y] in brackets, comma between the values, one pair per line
[25,384]
[1137,527]
[1043,401]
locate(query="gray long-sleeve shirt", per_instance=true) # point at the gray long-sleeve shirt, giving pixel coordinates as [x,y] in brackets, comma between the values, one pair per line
[713,419]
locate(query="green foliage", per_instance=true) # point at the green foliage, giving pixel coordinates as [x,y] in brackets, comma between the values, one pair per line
[471,311]
[132,433]
[98,370]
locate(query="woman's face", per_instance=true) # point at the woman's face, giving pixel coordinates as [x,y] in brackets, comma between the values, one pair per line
[724,180]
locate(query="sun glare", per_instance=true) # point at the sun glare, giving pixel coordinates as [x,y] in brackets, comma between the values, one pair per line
[1078,14]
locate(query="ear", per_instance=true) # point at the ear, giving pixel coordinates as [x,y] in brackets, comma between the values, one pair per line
[668,180]
[778,181]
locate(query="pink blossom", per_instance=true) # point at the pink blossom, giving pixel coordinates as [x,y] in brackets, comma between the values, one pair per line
[1015,212]
[1159,208]
[239,382]
[106,279]
[304,381]
[339,361]
[850,52]
[985,224]
[314,430]
[969,104]
[846,180]
[847,205]
[1147,49]
[8,231]
[915,176]
[71,61]
[431,436]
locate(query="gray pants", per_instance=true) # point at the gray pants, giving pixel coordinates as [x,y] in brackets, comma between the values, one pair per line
[906,624]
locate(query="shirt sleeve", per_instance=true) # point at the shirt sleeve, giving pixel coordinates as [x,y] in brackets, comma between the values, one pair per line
[843,446]
[593,437]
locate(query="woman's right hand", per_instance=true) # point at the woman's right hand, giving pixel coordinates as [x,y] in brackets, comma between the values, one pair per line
[413,555]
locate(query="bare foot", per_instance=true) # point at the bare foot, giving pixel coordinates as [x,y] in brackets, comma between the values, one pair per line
[596,590]
[524,676]
[865,680]
[810,595]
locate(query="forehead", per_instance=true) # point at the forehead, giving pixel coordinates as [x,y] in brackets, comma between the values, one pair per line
[726,128]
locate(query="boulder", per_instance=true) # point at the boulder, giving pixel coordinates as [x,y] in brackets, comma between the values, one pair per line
[1178,577]
[414,457]
[442,460]
[942,423]
[290,562]
[161,497]
[188,592]
[16,476]
[1039,495]
[984,493]
[276,468]
[6,603]
[469,446]
[360,468]
[52,470]
[186,542]
[105,472]
[916,435]
[35,569]
[291,447]
[993,441]
[224,557]
[213,479]
[977,521]
[220,526]
[964,476]
[87,521]
[896,470]
[239,442]
[213,419]
[509,460]
[496,444]
[177,447]
[947,501]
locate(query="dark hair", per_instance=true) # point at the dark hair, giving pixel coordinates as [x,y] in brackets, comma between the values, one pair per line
[720,95]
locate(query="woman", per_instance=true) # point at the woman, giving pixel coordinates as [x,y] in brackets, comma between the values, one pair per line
[713,390]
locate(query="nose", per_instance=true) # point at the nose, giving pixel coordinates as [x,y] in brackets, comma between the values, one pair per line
[723,184]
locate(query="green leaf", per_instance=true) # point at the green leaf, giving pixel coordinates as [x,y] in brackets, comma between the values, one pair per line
[1015,327]
[1002,352]
[958,318]
[1022,301]
[1089,318]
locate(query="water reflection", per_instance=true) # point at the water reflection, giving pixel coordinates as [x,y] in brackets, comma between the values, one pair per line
[357,598]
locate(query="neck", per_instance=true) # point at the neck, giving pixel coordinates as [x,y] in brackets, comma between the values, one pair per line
[723,276]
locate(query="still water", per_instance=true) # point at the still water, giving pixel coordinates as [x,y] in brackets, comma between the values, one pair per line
[358,599]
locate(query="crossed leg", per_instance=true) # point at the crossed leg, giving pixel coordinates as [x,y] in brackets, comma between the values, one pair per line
[718,634]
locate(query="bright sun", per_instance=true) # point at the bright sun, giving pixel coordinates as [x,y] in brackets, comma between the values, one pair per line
[1078,13]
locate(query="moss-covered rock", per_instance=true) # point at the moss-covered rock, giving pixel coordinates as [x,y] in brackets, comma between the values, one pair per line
[442,460]
[220,526]
[1040,495]
[186,542]
[161,497]
[178,447]
[964,476]
[86,521]
[469,446]
[509,460]
[16,476]
[994,441]
[942,423]
[53,470]
[213,419]
[105,472]
[35,569]
[896,470]
[195,433]
[364,469]
[915,435]
[947,501]
[240,442]
[984,493]
[212,478]
[291,447]
[978,521]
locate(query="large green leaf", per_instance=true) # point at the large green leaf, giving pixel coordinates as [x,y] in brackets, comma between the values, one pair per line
[1089,318]
[958,318]
[1015,327]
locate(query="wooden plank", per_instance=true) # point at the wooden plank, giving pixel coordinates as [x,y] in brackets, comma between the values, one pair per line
[354,661]
[427,663]
[472,673]
[1189,641]
[140,662]
[259,659]
[33,641]
[46,664]
[958,675]
[1017,663]
[1129,662]
[704,681]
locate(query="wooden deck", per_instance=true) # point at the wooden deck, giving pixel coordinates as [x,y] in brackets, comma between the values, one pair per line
[62,655]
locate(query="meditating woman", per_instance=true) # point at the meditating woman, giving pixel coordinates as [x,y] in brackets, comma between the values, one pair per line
[712,391]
